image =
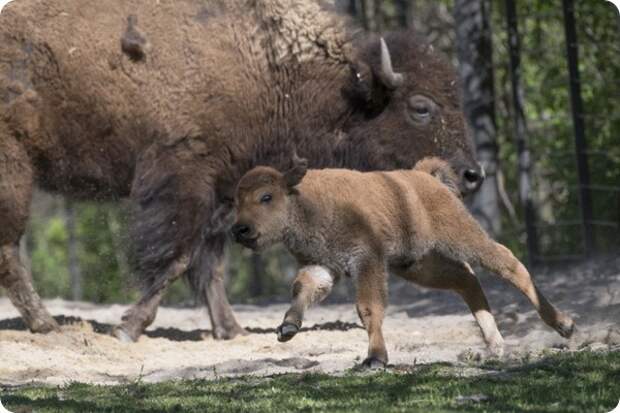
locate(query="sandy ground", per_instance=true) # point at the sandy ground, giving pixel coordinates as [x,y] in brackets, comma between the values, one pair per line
[421,326]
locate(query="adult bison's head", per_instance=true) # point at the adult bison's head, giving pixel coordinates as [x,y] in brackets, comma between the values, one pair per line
[409,108]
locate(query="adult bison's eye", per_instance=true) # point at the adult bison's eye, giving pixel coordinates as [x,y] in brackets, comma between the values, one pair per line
[421,109]
[266,198]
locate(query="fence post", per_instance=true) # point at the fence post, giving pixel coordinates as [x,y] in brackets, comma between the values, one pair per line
[521,138]
[585,196]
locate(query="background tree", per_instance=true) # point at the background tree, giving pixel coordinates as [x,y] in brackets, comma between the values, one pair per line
[475,54]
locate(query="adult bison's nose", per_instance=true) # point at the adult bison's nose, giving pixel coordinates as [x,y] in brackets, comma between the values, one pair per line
[472,178]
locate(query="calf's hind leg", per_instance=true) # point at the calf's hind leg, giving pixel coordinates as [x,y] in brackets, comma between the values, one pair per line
[500,260]
[473,245]
[15,195]
[435,271]
[312,285]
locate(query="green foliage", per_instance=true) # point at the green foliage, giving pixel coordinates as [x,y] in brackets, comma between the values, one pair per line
[577,382]
[99,237]
[545,83]
[278,268]
[49,258]
[102,259]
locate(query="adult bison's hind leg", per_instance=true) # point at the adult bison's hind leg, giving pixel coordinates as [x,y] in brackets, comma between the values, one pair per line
[16,180]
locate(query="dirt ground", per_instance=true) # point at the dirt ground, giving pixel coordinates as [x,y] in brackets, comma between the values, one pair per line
[421,326]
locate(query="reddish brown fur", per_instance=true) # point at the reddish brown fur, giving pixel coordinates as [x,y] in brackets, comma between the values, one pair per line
[162,101]
[366,225]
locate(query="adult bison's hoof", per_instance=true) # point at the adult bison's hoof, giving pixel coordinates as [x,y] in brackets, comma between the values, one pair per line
[229,334]
[44,326]
[286,331]
[373,363]
[122,335]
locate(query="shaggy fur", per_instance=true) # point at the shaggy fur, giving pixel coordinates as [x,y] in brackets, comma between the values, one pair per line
[168,102]
[365,225]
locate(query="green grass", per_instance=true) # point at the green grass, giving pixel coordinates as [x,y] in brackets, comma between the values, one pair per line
[578,382]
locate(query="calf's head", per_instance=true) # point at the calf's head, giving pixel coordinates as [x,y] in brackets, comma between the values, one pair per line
[412,109]
[263,204]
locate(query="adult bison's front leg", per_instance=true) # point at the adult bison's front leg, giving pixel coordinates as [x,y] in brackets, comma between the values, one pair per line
[207,279]
[142,314]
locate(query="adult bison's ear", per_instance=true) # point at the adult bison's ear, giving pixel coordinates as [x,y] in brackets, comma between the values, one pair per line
[375,79]
[293,176]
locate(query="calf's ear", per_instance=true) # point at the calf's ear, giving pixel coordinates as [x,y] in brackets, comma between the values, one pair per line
[293,176]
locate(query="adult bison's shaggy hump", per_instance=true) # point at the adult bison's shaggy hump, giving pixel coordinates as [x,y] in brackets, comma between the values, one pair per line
[161,101]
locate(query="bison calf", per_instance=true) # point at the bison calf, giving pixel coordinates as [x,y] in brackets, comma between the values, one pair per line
[365,225]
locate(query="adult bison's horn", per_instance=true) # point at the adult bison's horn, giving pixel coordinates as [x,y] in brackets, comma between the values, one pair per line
[392,79]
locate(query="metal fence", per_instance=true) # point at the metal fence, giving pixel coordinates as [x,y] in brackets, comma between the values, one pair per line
[579,214]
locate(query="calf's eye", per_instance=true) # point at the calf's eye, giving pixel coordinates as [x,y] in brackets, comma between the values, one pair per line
[265,199]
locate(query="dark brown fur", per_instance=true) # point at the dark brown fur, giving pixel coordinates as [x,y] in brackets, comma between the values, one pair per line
[365,225]
[186,96]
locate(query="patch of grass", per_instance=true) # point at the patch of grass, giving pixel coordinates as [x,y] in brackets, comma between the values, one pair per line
[576,382]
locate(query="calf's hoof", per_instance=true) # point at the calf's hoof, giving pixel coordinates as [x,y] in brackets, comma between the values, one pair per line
[373,363]
[495,346]
[123,336]
[565,326]
[286,331]
[229,334]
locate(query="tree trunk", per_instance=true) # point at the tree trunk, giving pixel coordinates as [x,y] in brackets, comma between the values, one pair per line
[369,15]
[404,12]
[474,51]
[520,132]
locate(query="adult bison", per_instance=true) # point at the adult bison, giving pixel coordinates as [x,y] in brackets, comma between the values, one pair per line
[160,101]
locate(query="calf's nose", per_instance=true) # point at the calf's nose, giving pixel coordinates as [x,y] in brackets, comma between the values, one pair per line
[240,231]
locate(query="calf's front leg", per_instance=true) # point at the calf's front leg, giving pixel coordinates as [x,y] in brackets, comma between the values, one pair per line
[312,285]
